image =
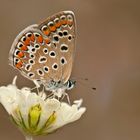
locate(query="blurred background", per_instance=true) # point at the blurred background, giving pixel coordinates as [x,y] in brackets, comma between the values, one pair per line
[108,53]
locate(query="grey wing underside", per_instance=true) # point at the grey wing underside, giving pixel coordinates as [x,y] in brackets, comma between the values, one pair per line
[63,72]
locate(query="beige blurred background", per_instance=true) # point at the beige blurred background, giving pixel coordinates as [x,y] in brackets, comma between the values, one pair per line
[108,53]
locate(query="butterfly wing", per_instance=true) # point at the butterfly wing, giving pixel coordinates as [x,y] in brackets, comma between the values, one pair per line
[45,51]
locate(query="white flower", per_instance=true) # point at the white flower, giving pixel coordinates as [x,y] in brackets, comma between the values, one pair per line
[35,115]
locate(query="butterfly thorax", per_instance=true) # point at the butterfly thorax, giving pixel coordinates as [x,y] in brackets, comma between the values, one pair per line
[55,85]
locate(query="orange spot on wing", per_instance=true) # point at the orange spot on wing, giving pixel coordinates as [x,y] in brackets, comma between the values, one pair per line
[20,54]
[47,41]
[40,39]
[46,32]
[58,24]
[27,41]
[24,48]
[53,28]
[69,22]
[64,22]
[32,38]
[19,64]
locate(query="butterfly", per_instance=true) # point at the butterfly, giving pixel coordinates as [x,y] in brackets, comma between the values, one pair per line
[44,52]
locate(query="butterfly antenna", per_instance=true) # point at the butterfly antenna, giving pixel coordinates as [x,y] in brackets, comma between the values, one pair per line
[85,82]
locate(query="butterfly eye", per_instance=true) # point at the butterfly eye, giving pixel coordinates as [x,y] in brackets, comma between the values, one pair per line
[55,66]
[29,34]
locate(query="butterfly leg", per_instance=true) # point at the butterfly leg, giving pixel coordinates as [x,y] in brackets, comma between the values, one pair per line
[37,86]
[67,96]
[51,95]
[36,83]
[42,94]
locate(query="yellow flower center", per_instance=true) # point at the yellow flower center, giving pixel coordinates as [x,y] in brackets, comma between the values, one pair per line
[34,116]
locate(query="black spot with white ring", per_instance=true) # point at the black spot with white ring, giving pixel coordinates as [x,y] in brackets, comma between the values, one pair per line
[16,52]
[56,38]
[37,46]
[56,20]
[31,61]
[19,45]
[42,59]
[70,18]
[32,56]
[52,54]
[63,17]
[45,50]
[29,34]
[16,60]
[31,74]
[65,32]
[28,67]
[36,34]
[51,24]
[60,33]
[63,60]
[46,69]
[55,66]
[44,28]
[23,39]
[33,50]
[69,37]
[64,48]
[40,72]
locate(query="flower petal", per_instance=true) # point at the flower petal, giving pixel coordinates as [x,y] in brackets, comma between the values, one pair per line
[8,96]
